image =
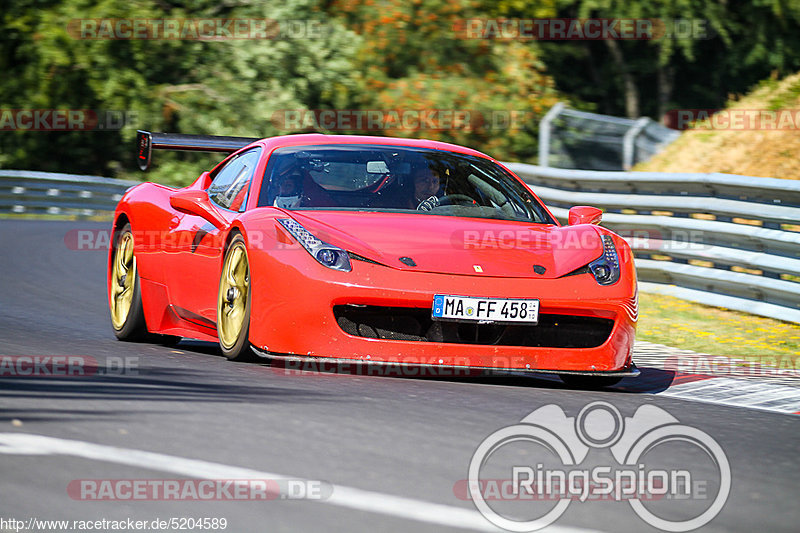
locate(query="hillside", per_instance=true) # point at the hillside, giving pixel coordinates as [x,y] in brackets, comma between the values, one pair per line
[752,152]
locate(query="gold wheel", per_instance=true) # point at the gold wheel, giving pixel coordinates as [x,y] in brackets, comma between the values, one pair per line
[233,302]
[124,296]
[123,279]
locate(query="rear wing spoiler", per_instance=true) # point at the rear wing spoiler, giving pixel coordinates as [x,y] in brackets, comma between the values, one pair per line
[147,141]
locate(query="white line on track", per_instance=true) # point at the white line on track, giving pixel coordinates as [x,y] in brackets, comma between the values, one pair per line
[362,500]
[736,393]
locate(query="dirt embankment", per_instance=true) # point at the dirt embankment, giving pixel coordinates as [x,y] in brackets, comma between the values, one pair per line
[726,144]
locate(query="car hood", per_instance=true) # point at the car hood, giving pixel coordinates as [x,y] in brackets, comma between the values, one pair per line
[453,245]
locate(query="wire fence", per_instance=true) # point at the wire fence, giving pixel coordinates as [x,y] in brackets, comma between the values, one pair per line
[576,139]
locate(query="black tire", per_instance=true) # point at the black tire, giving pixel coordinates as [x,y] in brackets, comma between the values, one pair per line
[132,327]
[238,350]
[578,381]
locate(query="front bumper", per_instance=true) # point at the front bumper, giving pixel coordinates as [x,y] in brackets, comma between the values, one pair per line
[293,301]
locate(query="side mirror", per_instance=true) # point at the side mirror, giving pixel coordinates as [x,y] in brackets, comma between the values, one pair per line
[197,203]
[203,181]
[584,214]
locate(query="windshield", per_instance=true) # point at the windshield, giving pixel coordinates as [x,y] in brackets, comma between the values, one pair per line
[395,179]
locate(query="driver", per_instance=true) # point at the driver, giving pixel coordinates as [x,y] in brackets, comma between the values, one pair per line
[290,192]
[426,189]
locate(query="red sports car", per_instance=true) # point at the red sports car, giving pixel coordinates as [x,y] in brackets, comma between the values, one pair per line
[371,249]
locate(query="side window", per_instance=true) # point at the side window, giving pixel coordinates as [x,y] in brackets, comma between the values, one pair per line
[232,183]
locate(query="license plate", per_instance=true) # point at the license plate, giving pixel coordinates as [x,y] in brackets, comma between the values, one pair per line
[485,309]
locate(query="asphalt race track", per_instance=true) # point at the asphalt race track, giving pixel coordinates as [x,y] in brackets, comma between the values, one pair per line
[387,453]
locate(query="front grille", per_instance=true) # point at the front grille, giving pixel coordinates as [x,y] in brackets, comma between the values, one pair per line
[415,324]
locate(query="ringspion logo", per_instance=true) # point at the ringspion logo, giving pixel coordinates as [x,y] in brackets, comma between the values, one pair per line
[534,470]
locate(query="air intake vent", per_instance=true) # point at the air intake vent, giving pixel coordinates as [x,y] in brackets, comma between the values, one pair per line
[415,324]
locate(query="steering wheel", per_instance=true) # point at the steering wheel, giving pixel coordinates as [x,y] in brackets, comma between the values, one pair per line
[456,199]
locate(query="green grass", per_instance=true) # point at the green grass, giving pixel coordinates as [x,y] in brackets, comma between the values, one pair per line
[785,99]
[712,330]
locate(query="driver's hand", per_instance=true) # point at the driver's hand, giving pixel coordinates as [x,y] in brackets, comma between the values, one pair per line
[429,204]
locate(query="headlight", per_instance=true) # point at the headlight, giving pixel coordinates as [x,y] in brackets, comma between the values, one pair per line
[325,254]
[605,269]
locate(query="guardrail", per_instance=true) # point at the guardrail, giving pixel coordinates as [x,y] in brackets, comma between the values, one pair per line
[719,239]
[569,138]
[724,240]
[23,191]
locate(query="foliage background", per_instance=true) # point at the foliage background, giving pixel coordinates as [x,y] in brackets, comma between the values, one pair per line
[374,54]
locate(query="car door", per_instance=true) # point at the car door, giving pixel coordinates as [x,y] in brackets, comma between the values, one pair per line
[198,243]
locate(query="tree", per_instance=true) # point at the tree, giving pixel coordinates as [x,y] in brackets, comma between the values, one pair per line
[415,55]
[181,85]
